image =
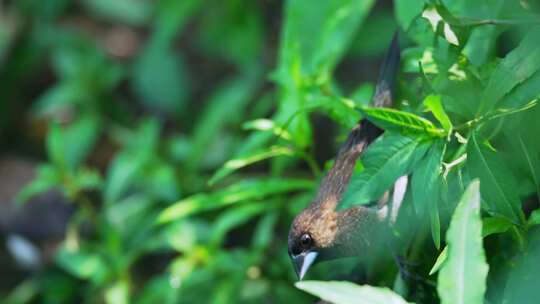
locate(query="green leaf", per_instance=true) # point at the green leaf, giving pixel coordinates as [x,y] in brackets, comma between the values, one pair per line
[462,278]
[500,196]
[426,181]
[481,44]
[532,159]
[118,293]
[534,219]
[237,163]
[159,76]
[349,293]
[340,110]
[263,234]
[388,158]
[236,216]
[313,39]
[318,34]
[160,80]
[400,121]
[158,289]
[521,279]
[522,94]
[245,190]
[224,106]
[82,264]
[233,32]
[55,146]
[440,260]
[433,103]
[127,165]
[492,225]
[69,146]
[407,10]
[518,66]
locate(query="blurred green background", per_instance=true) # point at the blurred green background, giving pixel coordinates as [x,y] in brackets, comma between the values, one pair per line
[157,151]
[113,111]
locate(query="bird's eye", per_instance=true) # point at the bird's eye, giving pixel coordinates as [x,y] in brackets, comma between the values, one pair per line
[305,241]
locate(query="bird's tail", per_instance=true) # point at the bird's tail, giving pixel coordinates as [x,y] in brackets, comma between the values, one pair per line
[365,131]
[337,179]
[387,75]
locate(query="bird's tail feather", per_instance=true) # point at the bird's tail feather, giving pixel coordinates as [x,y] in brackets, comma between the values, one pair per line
[337,179]
[387,75]
[366,131]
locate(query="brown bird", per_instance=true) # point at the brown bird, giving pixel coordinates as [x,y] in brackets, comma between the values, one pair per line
[320,232]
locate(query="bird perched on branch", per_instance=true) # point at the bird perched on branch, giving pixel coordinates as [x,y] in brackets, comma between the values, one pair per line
[321,232]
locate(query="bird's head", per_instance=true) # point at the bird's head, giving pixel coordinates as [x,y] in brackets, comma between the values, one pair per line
[311,238]
[321,233]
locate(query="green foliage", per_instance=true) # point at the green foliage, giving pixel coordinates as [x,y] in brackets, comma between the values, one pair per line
[188,134]
[394,120]
[349,293]
[462,278]
[503,199]
[390,157]
[425,187]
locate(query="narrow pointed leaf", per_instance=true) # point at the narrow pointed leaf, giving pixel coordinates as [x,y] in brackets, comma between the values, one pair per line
[462,278]
[440,261]
[240,162]
[434,104]
[425,188]
[400,121]
[239,192]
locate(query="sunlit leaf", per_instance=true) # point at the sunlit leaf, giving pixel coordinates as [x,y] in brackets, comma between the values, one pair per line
[84,265]
[349,293]
[267,125]
[395,120]
[254,189]
[534,219]
[237,163]
[118,293]
[433,16]
[462,278]
[440,261]
[433,103]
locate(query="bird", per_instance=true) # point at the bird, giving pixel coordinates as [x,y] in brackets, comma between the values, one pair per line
[321,232]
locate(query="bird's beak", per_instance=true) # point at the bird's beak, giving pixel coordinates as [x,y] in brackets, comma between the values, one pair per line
[303,261]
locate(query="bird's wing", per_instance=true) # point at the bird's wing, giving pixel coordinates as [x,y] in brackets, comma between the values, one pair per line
[337,179]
